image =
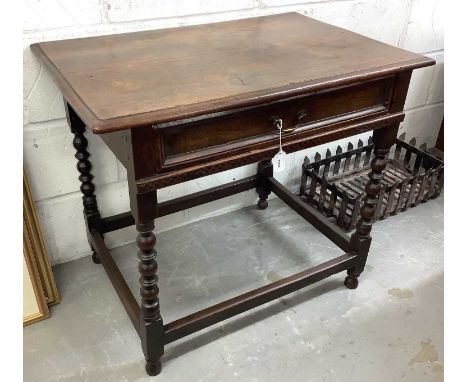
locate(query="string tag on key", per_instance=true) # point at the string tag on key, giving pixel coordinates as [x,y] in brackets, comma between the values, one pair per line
[279,160]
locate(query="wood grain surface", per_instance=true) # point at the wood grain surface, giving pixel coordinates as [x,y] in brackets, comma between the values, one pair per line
[128,80]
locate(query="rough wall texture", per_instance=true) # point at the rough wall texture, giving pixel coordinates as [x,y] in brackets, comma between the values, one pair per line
[49,156]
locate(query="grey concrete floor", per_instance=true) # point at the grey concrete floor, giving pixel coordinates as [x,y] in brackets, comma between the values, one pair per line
[389,329]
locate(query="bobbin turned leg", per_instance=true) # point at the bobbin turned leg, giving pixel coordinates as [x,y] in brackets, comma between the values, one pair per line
[264,171]
[151,324]
[91,213]
[360,240]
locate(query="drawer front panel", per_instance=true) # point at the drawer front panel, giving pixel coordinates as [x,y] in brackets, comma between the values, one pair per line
[183,143]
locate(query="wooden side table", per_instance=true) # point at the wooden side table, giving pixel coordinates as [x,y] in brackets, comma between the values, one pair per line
[178,104]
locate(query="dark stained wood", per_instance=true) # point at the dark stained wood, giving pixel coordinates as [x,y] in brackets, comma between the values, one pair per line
[264,151]
[119,143]
[178,104]
[219,312]
[119,283]
[151,320]
[326,168]
[205,196]
[91,213]
[402,81]
[134,79]
[182,203]
[154,168]
[116,222]
[183,142]
[263,185]
[143,152]
[360,240]
[144,208]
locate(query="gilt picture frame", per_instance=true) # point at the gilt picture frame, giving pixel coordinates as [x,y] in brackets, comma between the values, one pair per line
[37,266]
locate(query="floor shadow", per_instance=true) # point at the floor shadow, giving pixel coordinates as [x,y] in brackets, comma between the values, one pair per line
[257,315]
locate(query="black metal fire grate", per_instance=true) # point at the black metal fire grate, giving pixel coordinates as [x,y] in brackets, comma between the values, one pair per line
[335,185]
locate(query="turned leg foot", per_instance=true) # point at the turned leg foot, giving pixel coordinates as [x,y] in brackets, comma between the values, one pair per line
[262,204]
[95,258]
[361,238]
[264,172]
[351,282]
[151,324]
[153,367]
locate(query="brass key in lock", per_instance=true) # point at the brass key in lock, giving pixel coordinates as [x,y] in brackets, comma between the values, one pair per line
[277,122]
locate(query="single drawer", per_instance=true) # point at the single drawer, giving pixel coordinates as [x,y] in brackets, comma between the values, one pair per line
[205,139]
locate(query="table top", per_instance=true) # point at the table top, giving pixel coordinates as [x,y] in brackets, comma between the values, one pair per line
[127,80]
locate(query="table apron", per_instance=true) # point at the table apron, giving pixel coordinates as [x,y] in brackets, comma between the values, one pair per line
[257,154]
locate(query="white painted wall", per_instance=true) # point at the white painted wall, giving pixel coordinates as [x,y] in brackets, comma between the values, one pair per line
[49,155]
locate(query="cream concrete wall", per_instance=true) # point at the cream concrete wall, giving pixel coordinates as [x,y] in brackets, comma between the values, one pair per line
[49,155]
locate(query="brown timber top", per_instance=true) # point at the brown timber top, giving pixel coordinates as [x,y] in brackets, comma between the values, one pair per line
[127,80]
